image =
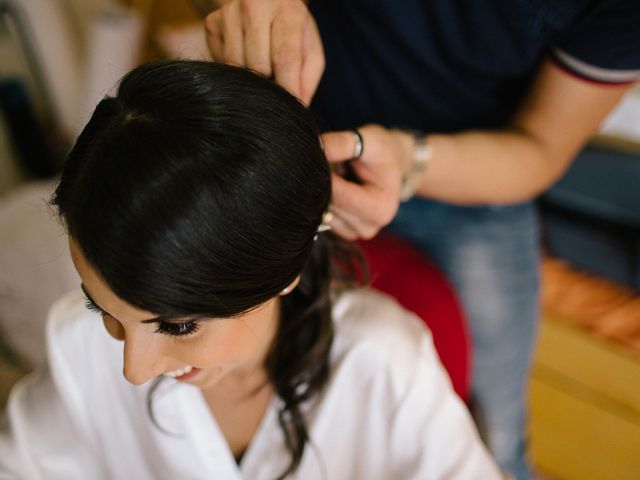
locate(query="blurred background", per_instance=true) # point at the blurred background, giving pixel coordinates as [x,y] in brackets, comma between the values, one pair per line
[59,57]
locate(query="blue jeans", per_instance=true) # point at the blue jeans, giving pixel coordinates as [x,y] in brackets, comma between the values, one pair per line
[491,256]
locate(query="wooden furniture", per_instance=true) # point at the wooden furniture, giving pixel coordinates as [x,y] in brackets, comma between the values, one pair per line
[585,385]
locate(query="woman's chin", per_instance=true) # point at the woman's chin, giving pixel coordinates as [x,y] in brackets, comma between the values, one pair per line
[207,378]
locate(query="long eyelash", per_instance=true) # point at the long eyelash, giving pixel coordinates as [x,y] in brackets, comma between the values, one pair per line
[88,303]
[178,329]
[165,328]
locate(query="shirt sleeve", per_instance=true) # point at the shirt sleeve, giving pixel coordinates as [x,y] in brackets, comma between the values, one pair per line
[39,439]
[433,435]
[45,433]
[603,44]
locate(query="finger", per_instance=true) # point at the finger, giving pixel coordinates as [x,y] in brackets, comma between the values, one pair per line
[343,229]
[338,146]
[313,62]
[364,229]
[213,34]
[373,204]
[232,36]
[286,51]
[257,27]
[350,196]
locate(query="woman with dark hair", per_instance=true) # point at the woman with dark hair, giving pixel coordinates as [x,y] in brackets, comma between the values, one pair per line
[195,202]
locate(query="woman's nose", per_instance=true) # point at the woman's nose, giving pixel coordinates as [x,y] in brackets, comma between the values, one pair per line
[143,360]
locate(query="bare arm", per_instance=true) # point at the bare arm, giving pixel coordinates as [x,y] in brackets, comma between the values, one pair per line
[483,167]
[475,167]
[280,38]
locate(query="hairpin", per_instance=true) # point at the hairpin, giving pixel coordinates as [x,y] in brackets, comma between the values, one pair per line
[326,222]
[325,225]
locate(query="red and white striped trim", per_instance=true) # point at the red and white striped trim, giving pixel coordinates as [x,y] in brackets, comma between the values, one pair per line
[593,73]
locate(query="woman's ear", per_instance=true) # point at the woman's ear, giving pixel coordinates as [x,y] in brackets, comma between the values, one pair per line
[291,286]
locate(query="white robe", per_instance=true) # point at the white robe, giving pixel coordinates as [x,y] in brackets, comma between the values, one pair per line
[387,412]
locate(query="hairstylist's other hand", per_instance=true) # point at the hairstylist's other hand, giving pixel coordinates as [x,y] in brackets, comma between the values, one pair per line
[360,210]
[277,38]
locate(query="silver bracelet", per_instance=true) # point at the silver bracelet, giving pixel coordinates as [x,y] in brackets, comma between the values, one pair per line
[422,153]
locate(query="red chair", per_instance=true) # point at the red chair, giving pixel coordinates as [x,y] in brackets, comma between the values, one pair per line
[401,270]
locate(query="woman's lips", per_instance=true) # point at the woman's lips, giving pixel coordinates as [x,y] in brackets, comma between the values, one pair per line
[184,373]
[187,376]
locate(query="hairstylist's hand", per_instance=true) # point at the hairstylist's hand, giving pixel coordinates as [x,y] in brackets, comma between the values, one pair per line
[361,210]
[274,37]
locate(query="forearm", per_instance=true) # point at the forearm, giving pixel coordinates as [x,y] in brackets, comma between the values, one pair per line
[486,167]
[505,166]
[519,162]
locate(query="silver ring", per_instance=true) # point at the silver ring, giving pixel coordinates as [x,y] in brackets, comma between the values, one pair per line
[358,150]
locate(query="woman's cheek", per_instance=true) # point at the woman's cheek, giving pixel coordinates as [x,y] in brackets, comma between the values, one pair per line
[216,347]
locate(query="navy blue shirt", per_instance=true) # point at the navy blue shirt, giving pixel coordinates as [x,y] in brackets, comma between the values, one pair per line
[451,65]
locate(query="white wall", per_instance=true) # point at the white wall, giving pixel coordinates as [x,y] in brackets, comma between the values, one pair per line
[81,54]
[624,121]
[55,42]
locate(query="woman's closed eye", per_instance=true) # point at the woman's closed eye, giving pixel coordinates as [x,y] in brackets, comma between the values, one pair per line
[175,329]
[90,305]
[178,329]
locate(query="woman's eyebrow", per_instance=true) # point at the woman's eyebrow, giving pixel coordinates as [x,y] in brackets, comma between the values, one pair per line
[90,298]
